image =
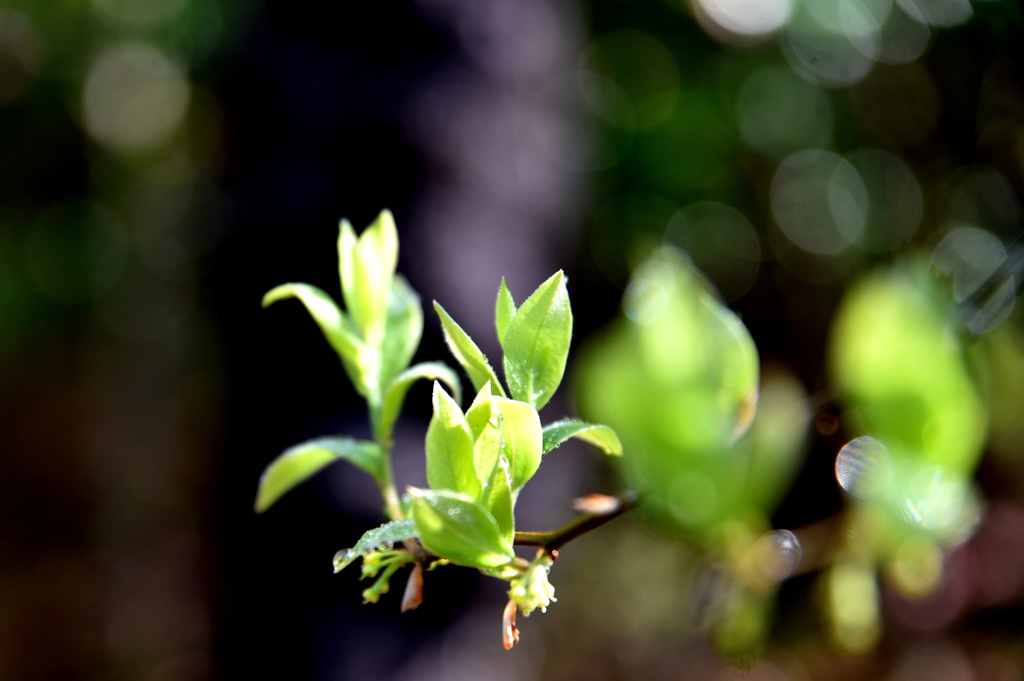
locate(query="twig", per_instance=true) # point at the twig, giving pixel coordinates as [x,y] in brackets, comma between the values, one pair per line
[556,539]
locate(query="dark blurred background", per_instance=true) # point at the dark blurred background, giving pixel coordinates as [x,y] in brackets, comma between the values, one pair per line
[163,163]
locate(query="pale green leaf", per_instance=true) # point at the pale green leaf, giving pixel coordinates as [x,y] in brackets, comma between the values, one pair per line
[346,262]
[601,436]
[504,310]
[467,353]
[521,439]
[500,500]
[302,461]
[388,534]
[373,268]
[457,527]
[402,332]
[395,394]
[536,343]
[449,447]
[481,412]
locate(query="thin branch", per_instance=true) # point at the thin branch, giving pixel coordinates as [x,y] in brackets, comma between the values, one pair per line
[556,539]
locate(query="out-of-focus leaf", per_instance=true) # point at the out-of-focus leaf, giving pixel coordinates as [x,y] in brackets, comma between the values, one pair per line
[386,536]
[601,436]
[449,447]
[467,353]
[777,438]
[395,394]
[402,332]
[504,310]
[737,363]
[457,527]
[300,462]
[903,374]
[536,343]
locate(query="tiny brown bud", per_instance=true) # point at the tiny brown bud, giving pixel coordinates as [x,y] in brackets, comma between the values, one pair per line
[554,554]
[413,589]
[509,630]
[596,504]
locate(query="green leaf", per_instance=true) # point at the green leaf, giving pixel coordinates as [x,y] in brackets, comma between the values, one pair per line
[500,499]
[347,241]
[335,325]
[522,439]
[602,436]
[481,412]
[300,462]
[487,438]
[391,533]
[504,310]
[373,267]
[450,447]
[537,343]
[402,332]
[395,394]
[457,527]
[467,353]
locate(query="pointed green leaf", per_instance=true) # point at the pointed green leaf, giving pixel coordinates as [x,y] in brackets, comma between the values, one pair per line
[402,332]
[504,310]
[373,267]
[522,439]
[499,499]
[387,534]
[457,527]
[602,436]
[467,353]
[346,262]
[395,394]
[537,343]
[487,445]
[300,462]
[450,447]
[481,411]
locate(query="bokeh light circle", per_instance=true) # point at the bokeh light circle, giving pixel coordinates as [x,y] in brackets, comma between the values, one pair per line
[134,99]
[864,467]
[819,201]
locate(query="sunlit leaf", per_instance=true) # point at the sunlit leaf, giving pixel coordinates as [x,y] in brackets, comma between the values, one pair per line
[536,343]
[457,527]
[449,447]
[504,310]
[467,353]
[402,332]
[300,462]
[481,412]
[499,499]
[373,267]
[521,439]
[385,536]
[395,394]
[903,372]
[601,436]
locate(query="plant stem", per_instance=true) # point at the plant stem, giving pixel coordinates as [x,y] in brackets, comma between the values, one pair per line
[386,485]
[556,539]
